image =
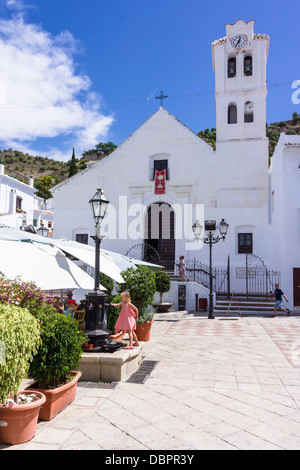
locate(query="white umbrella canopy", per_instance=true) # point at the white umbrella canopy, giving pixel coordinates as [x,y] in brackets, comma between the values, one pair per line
[87,255]
[124,262]
[111,263]
[82,252]
[44,265]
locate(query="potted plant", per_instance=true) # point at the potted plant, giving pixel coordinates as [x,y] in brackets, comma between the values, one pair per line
[141,284]
[143,325]
[54,365]
[19,340]
[163,284]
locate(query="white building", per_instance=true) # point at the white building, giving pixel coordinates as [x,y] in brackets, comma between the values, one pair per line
[229,183]
[285,214]
[20,207]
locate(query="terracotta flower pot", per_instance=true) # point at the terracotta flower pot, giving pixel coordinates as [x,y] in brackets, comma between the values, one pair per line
[143,330]
[18,422]
[59,398]
[88,347]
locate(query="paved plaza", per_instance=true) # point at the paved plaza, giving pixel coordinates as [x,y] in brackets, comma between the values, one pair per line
[229,383]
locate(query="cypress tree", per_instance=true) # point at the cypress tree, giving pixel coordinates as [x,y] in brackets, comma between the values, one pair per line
[73,166]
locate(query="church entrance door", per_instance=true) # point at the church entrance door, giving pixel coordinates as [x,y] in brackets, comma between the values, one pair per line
[160,233]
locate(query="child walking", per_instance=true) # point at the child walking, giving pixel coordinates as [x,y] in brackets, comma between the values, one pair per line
[182,269]
[127,320]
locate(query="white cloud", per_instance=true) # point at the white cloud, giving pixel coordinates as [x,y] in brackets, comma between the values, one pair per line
[44,95]
[15,4]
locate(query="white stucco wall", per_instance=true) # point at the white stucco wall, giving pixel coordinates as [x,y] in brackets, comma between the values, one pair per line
[285,210]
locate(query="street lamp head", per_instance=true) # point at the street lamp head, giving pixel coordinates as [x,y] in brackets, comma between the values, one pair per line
[197,229]
[210,225]
[99,205]
[43,231]
[223,227]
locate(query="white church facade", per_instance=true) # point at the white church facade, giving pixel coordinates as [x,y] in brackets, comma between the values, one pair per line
[164,177]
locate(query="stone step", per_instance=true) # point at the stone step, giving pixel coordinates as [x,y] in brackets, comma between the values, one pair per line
[245,307]
[243,294]
[244,312]
[245,299]
[245,304]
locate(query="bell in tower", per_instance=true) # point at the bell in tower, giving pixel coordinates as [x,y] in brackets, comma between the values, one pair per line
[231,67]
[248,66]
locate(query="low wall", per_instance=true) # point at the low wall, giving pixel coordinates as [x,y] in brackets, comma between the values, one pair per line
[192,289]
[110,367]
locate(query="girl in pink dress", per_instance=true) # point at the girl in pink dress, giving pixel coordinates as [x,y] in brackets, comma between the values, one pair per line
[127,320]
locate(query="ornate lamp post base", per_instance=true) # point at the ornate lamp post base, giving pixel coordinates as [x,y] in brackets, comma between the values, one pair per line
[96,323]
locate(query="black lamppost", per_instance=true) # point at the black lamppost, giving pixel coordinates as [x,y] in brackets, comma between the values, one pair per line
[96,301]
[210,226]
[98,205]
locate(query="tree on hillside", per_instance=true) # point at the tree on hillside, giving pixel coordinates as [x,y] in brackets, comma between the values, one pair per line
[43,185]
[103,148]
[73,165]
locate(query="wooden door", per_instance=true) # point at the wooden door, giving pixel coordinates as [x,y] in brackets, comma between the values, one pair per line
[161,230]
[297,287]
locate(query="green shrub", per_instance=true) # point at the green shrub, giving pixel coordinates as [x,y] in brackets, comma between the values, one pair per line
[141,284]
[113,313]
[60,351]
[146,315]
[19,340]
[163,283]
[108,283]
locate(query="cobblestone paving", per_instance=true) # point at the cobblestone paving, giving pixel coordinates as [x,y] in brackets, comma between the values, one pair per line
[229,383]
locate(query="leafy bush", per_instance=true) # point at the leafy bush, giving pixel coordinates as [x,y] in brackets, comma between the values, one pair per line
[140,283]
[107,282]
[26,295]
[19,340]
[113,313]
[163,283]
[60,351]
[147,315]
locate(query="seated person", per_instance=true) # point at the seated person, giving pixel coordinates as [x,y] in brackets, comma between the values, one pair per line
[82,305]
[69,297]
[71,308]
[58,305]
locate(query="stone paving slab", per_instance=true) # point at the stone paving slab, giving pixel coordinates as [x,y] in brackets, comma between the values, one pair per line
[223,384]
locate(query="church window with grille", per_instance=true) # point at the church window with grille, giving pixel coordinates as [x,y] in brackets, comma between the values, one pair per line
[160,165]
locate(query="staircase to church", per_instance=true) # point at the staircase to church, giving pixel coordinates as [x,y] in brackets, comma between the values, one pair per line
[173,277]
[255,304]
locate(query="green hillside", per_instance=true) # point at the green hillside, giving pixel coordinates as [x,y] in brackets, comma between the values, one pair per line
[290,127]
[48,172]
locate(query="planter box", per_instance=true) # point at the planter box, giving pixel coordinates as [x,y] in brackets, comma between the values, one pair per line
[18,422]
[57,399]
[163,307]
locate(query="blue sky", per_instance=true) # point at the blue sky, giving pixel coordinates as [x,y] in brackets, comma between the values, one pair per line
[79,72]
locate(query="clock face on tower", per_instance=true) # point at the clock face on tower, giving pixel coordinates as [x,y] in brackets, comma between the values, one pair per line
[239,41]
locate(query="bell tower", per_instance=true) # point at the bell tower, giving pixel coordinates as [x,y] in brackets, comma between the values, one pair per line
[239,62]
